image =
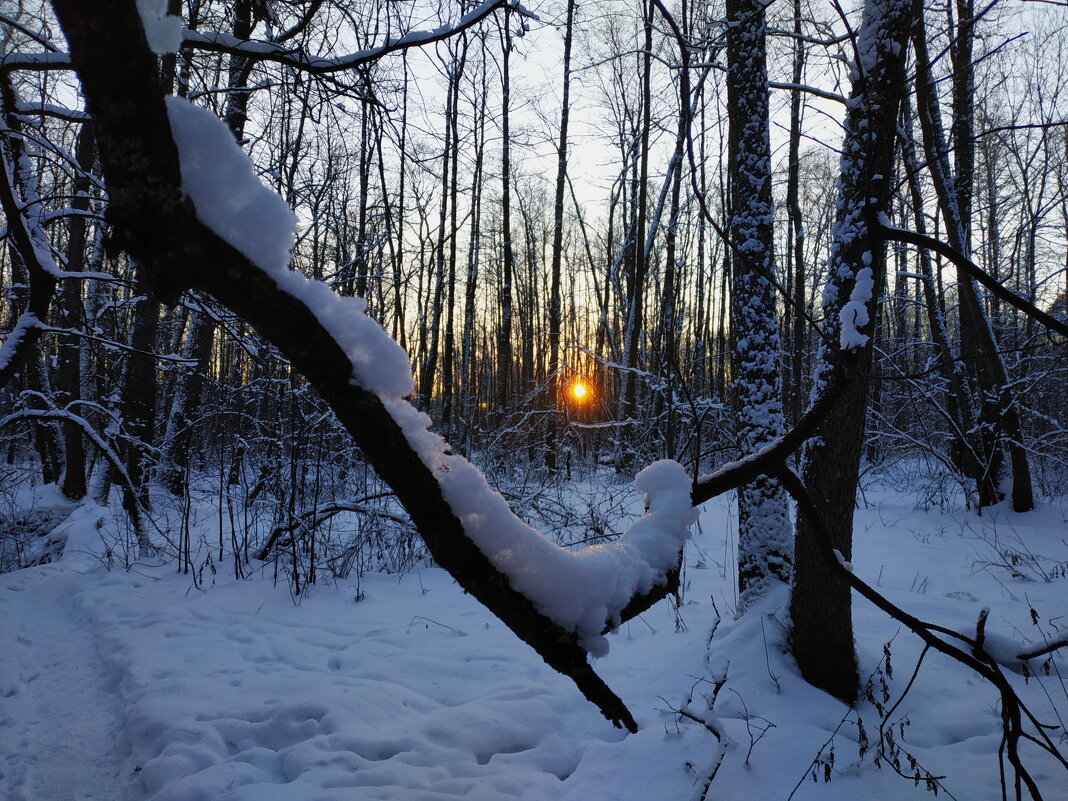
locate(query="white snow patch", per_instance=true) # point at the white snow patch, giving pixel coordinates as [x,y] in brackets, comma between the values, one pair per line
[854,313]
[232,201]
[229,197]
[231,692]
[163,32]
[23,325]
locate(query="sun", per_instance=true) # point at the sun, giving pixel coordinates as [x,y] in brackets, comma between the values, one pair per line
[579,390]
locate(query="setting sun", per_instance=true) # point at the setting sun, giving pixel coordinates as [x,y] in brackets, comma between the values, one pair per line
[579,390]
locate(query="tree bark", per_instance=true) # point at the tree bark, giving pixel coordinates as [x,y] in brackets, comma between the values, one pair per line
[822,629]
[764,552]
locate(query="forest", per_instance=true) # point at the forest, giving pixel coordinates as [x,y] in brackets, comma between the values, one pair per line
[581,319]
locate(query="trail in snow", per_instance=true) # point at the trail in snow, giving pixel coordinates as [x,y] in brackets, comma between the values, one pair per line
[403,688]
[59,727]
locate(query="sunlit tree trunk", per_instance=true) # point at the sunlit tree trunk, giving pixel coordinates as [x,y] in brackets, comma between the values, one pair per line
[553,369]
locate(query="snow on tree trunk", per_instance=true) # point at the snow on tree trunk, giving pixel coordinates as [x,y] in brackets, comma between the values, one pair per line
[764,547]
[822,635]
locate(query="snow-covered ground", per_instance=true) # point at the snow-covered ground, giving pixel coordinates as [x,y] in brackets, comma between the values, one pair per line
[137,685]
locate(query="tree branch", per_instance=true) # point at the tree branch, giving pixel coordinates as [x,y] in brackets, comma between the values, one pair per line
[1012,708]
[156,223]
[275,51]
[893,234]
[772,456]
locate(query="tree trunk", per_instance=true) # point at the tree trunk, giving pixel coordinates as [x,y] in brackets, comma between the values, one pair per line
[554,379]
[70,352]
[822,633]
[796,246]
[637,264]
[997,406]
[504,330]
[764,552]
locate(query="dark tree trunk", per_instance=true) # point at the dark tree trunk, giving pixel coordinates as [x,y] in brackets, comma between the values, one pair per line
[554,379]
[822,633]
[504,330]
[997,406]
[796,246]
[637,264]
[70,352]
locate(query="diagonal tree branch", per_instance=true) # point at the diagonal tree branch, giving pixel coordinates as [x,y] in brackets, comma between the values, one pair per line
[895,234]
[157,225]
[768,459]
[975,657]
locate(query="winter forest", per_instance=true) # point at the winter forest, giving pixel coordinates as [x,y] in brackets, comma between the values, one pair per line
[623,400]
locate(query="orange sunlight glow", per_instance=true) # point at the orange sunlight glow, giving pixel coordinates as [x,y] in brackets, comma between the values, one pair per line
[579,390]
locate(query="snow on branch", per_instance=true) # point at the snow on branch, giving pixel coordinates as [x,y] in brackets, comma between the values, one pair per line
[17,342]
[581,592]
[37,62]
[52,110]
[557,601]
[282,54]
[23,221]
[164,37]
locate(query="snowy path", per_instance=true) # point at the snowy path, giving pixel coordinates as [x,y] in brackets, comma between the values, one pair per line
[141,685]
[58,721]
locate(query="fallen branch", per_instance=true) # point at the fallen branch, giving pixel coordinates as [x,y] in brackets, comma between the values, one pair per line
[154,221]
[1042,651]
[1012,708]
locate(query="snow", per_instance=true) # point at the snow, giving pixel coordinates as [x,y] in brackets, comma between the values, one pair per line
[854,313]
[229,197]
[579,591]
[60,731]
[232,201]
[1003,650]
[135,684]
[9,346]
[164,32]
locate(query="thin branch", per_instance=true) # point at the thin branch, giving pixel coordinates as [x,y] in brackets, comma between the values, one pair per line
[894,234]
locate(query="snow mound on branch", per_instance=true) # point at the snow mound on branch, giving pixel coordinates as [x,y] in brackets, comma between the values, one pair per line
[163,32]
[229,197]
[231,200]
[582,591]
[579,590]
